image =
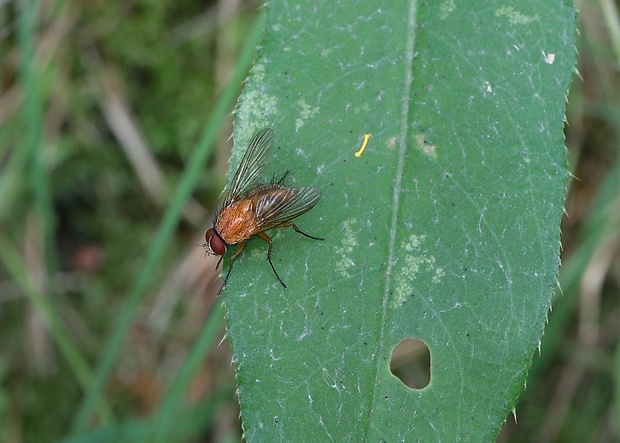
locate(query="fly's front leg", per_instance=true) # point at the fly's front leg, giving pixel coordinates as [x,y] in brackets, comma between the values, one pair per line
[240,247]
[268,240]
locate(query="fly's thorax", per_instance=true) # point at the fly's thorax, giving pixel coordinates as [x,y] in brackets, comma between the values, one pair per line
[237,222]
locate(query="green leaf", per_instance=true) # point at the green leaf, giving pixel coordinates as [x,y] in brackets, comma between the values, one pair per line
[445,229]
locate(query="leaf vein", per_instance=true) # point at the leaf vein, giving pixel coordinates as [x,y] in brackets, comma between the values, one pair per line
[402,151]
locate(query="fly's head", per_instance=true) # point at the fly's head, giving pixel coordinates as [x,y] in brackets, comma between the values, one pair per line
[214,244]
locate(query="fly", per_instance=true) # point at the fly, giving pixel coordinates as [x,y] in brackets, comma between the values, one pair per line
[252,207]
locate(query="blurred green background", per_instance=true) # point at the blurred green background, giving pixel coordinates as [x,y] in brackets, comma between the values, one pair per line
[102,107]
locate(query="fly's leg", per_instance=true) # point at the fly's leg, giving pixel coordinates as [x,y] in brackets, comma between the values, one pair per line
[282,178]
[299,231]
[240,247]
[279,181]
[268,240]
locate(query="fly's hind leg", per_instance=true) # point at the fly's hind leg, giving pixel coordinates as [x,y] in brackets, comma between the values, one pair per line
[268,240]
[299,231]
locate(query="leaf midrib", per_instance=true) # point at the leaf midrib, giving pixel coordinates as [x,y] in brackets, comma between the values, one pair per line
[402,149]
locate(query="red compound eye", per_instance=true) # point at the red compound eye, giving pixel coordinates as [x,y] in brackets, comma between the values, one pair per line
[215,242]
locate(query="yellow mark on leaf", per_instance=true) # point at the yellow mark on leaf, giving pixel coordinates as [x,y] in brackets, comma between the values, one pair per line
[364,143]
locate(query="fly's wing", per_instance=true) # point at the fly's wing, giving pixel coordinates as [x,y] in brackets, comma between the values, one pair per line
[276,204]
[252,165]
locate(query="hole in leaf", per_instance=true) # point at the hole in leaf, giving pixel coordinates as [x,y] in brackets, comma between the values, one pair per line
[411,363]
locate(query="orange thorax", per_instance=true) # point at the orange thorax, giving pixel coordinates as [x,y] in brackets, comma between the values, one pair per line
[237,222]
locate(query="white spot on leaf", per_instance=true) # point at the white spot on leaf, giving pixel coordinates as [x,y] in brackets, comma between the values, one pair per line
[549,58]
[514,17]
[347,244]
[417,262]
[427,148]
[307,111]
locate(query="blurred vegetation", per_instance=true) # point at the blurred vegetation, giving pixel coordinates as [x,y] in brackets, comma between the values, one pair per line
[103,106]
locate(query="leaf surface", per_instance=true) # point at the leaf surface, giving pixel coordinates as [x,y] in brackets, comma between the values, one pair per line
[445,229]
